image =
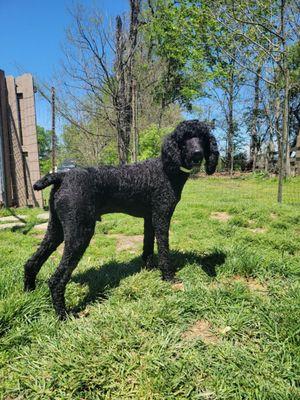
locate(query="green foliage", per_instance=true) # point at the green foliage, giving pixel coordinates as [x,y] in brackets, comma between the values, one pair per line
[150,141]
[294,64]
[172,31]
[44,144]
[89,148]
[45,166]
[240,161]
[110,154]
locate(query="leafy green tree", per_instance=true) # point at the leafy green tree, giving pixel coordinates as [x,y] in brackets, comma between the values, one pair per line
[188,35]
[151,140]
[44,142]
[171,34]
[97,147]
[44,145]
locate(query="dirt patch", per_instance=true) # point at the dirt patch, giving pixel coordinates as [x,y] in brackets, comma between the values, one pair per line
[125,242]
[178,287]
[83,314]
[226,175]
[12,218]
[43,216]
[56,256]
[14,398]
[41,227]
[201,330]
[220,216]
[60,249]
[258,230]
[39,236]
[12,225]
[253,284]
[256,286]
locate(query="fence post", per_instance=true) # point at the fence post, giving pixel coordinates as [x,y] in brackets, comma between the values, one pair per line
[134,122]
[53,137]
[297,161]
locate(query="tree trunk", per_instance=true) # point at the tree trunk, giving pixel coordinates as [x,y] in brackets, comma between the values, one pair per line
[230,133]
[269,152]
[267,159]
[297,161]
[280,171]
[120,100]
[254,131]
[124,76]
[285,69]
[280,151]
[134,124]
[285,124]
[132,88]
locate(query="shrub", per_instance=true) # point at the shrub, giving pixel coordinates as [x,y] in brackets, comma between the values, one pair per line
[150,141]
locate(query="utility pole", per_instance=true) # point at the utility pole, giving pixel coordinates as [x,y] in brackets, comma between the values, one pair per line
[53,141]
[134,122]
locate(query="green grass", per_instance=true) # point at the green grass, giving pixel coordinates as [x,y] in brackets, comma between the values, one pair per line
[128,342]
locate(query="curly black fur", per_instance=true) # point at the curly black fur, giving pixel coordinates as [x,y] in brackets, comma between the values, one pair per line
[150,190]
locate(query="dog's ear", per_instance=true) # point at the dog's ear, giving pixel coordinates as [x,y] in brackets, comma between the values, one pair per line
[211,154]
[170,154]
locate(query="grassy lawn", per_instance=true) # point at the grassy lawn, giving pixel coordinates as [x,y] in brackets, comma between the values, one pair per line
[231,331]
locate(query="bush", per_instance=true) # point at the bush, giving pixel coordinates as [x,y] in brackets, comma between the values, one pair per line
[150,141]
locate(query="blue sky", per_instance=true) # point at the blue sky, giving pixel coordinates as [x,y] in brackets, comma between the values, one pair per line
[31,34]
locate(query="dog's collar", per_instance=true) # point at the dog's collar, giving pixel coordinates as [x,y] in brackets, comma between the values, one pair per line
[188,171]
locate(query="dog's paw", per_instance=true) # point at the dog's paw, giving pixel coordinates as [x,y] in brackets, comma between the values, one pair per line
[149,263]
[63,315]
[29,285]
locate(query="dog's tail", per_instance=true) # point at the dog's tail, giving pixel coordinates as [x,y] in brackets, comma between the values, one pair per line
[49,179]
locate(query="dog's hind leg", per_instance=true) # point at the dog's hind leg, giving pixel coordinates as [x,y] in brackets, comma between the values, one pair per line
[53,238]
[77,239]
[148,248]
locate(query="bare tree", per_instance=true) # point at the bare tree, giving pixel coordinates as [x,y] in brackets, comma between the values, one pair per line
[267,28]
[254,144]
[124,66]
[99,69]
[225,93]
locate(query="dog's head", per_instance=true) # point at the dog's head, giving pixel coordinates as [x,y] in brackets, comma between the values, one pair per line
[188,145]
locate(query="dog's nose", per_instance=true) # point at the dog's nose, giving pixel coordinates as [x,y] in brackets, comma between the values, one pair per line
[197,156]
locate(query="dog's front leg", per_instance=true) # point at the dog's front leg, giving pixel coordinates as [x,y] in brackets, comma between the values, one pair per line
[148,248]
[161,224]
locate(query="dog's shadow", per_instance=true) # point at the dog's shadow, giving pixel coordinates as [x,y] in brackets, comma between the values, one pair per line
[101,280]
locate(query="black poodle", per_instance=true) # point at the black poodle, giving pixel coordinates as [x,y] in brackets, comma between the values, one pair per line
[149,190]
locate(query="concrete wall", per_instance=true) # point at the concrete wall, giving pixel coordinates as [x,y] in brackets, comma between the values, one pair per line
[2,182]
[20,148]
[19,197]
[27,120]
[5,142]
